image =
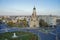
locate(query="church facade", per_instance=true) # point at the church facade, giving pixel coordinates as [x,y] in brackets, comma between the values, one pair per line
[34,22]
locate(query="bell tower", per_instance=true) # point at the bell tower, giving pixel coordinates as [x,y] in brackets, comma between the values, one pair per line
[34,20]
[34,12]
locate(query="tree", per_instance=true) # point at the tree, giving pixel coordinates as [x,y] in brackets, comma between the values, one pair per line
[43,23]
[11,24]
[0,21]
[25,22]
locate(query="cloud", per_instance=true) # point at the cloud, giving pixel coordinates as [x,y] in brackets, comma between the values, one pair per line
[24,12]
[29,13]
[12,12]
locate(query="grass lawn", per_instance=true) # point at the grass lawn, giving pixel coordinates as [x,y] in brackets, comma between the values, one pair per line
[21,36]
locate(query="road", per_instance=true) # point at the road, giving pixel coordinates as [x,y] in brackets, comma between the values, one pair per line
[41,35]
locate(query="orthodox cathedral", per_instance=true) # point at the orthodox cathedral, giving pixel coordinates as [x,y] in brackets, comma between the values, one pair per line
[50,19]
[34,19]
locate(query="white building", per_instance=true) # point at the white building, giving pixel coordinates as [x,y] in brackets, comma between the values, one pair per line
[34,22]
[50,19]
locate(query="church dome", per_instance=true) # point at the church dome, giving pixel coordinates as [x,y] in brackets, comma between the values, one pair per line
[34,8]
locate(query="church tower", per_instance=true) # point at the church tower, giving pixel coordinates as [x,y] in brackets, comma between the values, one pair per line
[34,12]
[34,20]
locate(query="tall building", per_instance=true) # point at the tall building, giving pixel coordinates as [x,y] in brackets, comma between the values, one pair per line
[34,20]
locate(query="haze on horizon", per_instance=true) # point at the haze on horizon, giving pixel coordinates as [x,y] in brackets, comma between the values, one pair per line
[25,7]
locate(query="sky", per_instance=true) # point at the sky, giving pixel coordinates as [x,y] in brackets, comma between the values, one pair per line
[25,7]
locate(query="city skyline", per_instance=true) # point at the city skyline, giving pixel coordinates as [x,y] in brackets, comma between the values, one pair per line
[24,7]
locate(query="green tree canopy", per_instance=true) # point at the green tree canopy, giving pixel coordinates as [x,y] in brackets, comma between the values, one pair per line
[43,23]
